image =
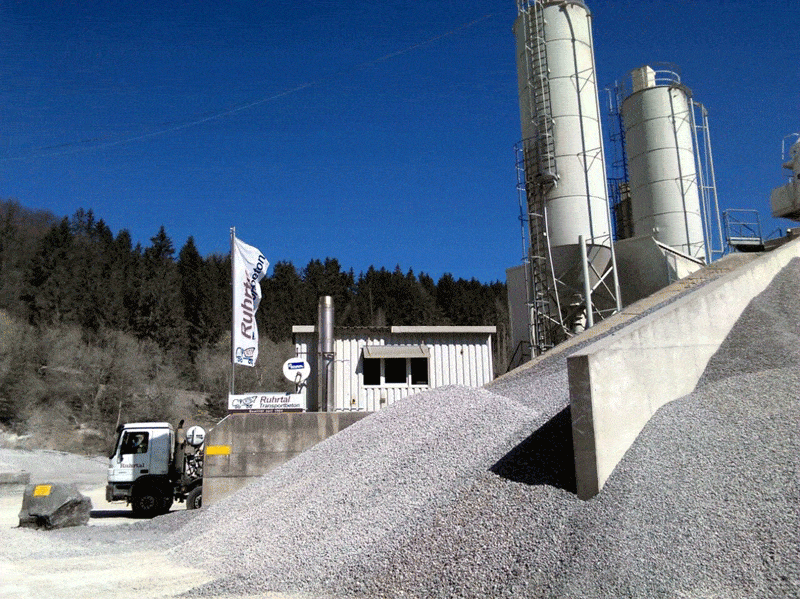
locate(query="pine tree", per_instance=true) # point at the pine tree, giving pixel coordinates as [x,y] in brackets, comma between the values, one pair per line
[48,278]
[193,289]
[282,305]
[159,314]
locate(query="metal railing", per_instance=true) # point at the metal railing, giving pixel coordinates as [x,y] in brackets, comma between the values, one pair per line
[742,228]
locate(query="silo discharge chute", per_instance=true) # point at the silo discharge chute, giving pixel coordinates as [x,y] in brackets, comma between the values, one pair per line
[569,255]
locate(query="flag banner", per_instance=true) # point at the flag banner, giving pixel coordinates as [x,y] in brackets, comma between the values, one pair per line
[249,267]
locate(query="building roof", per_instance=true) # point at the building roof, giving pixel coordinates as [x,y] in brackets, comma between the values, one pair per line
[408,330]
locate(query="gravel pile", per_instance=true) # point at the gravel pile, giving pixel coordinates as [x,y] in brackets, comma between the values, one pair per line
[463,492]
[466,493]
[344,502]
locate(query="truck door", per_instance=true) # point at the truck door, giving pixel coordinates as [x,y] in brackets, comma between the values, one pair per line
[134,453]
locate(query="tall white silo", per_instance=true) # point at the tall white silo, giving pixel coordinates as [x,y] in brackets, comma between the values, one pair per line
[563,163]
[659,137]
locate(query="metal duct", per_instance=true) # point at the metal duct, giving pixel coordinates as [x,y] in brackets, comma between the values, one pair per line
[325,355]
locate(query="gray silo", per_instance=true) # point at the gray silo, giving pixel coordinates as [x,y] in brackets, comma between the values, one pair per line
[665,190]
[561,168]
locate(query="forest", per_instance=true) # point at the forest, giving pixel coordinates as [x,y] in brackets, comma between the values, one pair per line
[96,330]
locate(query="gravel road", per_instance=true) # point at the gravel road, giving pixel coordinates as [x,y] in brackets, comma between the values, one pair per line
[463,492]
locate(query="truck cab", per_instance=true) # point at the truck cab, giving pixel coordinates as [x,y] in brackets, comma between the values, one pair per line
[150,468]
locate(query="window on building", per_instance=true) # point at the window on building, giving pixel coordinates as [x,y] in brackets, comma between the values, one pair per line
[372,371]
[395,365]
[394,370]
[419,371]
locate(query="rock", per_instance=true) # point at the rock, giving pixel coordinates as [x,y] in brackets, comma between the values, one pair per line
[54,505]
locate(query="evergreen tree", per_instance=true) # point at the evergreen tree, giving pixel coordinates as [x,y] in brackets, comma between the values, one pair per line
[193,290]
[217,301]
[282,304]
[86,266]
[48,279]
[121,289]
[321,279]
[159,314]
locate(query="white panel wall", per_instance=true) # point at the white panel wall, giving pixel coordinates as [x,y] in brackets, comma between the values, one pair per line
[455,359]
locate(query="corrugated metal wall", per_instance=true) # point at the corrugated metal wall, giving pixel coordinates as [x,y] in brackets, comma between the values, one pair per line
[456,359]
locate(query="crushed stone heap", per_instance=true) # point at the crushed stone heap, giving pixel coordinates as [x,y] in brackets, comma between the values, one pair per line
[461,492]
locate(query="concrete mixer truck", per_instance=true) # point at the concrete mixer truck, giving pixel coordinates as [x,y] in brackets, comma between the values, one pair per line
[153,465]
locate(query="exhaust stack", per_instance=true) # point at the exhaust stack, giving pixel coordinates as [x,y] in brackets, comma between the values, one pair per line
[325,355]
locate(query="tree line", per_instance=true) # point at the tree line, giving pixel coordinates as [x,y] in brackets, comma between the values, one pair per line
[75,271]
[96,330]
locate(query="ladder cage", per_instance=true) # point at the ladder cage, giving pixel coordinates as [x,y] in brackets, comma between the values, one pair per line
[537,175]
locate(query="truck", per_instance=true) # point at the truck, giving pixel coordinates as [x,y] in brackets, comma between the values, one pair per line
[153,465]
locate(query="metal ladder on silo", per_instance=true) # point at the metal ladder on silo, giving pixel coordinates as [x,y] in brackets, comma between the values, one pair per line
[540,152]
[541,299]
[539,82]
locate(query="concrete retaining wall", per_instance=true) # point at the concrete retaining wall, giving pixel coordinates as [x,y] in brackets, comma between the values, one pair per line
[617,383]
[246,446]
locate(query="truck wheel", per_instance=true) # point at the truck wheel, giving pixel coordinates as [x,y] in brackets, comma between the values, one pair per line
[147,502]
[194,499]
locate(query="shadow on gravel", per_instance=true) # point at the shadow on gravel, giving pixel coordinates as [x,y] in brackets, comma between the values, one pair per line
[544,458]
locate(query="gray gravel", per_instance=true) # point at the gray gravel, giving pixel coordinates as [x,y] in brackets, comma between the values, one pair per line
[441,495]
[463,492]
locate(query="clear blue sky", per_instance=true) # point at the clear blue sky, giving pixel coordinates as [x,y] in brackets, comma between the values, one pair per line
[377,133]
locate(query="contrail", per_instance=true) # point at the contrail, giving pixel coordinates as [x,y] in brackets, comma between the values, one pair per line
[97,143]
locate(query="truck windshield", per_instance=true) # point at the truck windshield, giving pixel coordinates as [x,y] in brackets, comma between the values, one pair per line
[116,444]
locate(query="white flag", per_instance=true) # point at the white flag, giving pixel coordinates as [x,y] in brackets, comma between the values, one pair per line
[249,267]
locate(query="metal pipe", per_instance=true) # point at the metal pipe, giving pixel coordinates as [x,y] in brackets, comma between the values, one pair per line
[587,285]
[713,176]
[325,355]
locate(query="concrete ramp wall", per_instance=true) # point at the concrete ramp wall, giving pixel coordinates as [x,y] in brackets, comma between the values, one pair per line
[618,383]
[246,446]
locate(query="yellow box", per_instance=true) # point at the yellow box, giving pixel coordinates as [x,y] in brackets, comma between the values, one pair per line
[42,490]
[218,450]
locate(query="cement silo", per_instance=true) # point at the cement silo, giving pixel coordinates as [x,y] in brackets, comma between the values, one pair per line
[562,168]
[664,185]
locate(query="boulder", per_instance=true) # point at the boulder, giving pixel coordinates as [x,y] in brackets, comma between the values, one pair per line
[54,505]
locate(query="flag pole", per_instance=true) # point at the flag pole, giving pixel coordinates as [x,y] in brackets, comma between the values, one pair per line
[233,356]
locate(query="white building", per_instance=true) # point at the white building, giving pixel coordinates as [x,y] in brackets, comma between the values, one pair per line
[375,366]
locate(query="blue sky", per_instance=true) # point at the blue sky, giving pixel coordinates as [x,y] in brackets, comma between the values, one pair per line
[377,133]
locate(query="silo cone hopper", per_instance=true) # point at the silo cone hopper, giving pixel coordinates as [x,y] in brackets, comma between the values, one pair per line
[571,282]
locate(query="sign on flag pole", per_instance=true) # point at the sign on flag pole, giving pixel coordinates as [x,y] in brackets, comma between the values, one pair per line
[248,267]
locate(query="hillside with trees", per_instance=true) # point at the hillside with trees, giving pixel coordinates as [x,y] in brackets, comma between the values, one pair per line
[95,330]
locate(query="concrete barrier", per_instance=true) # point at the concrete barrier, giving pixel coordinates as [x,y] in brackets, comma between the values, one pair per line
[618,383]
[243,447]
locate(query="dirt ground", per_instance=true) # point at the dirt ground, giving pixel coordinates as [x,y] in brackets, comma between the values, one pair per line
[121,575]
[26,556]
